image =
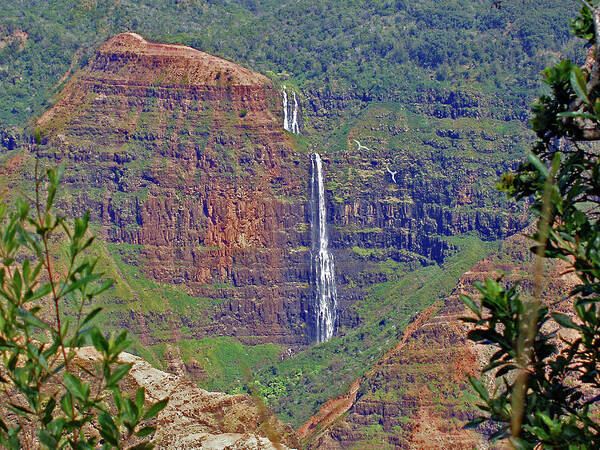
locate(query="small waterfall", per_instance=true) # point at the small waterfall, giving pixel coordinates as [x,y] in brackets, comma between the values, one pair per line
[290,113]
[286,124]
[324,308]
[295,127]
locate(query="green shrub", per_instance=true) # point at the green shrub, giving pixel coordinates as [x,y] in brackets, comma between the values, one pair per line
[549,384]
[44,388]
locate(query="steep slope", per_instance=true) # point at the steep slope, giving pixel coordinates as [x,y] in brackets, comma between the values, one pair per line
[417,395]
[180,153]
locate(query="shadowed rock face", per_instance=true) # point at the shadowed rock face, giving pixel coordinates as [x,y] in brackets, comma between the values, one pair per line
[182,159]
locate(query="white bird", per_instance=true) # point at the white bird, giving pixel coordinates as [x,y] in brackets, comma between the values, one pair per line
[393,174]
[359,145]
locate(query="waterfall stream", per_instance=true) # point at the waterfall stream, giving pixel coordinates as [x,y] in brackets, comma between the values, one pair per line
[322,265]
[290,113]
[286,123]
[295,127]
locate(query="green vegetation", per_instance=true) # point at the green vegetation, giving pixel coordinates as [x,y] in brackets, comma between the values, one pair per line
[546,363]
[298,385]
[223,361]
[140,293]
[227,362]
[435,88]
[375,50]
[44,389]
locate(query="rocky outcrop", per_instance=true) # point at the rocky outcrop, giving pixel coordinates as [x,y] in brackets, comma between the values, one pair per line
[193,417]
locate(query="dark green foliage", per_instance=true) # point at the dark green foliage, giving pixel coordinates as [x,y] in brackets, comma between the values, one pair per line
[548,385]
[373,49]
[43,386]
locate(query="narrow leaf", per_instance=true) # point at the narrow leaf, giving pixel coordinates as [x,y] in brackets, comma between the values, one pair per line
[565,321]
[91,316]
[578,84]
[118,374]
[146,431]
[155,409]
[468,301]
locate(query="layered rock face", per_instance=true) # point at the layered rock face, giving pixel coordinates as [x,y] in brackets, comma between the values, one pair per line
[418,395]
[182,154]
[182,159]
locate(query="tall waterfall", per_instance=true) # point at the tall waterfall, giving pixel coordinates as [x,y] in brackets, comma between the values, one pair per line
[324,305]
[290,113]
[286,123]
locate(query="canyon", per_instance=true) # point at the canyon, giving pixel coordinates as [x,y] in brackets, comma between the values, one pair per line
[182,160]
[201,198]
[418,395]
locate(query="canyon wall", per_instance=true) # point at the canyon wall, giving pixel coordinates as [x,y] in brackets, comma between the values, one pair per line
[182,159]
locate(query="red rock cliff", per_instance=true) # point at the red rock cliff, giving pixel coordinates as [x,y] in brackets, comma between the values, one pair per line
[182,154]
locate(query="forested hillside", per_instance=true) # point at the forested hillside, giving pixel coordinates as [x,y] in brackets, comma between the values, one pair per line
[374,48]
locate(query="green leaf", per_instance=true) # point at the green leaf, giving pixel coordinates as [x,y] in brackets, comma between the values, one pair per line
[78,284]
[48,410]
[520,444]
[76,387]
[91,316]
[474,423]
[479,388]
[17,284]
[538,164]
[103,287]
[146,431]
[40,292]
[26,270]
[31,319]
[156,408]
[548,421]
[120,344]
[118,374]
[565,321]
[468,301]
[22,208]
[108,430]
[20,410]
[579,85]
[47,439]
[597,107]
[118,398]
[142,446]
[51,195]
[99,341]
[56,426]
[140,397]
